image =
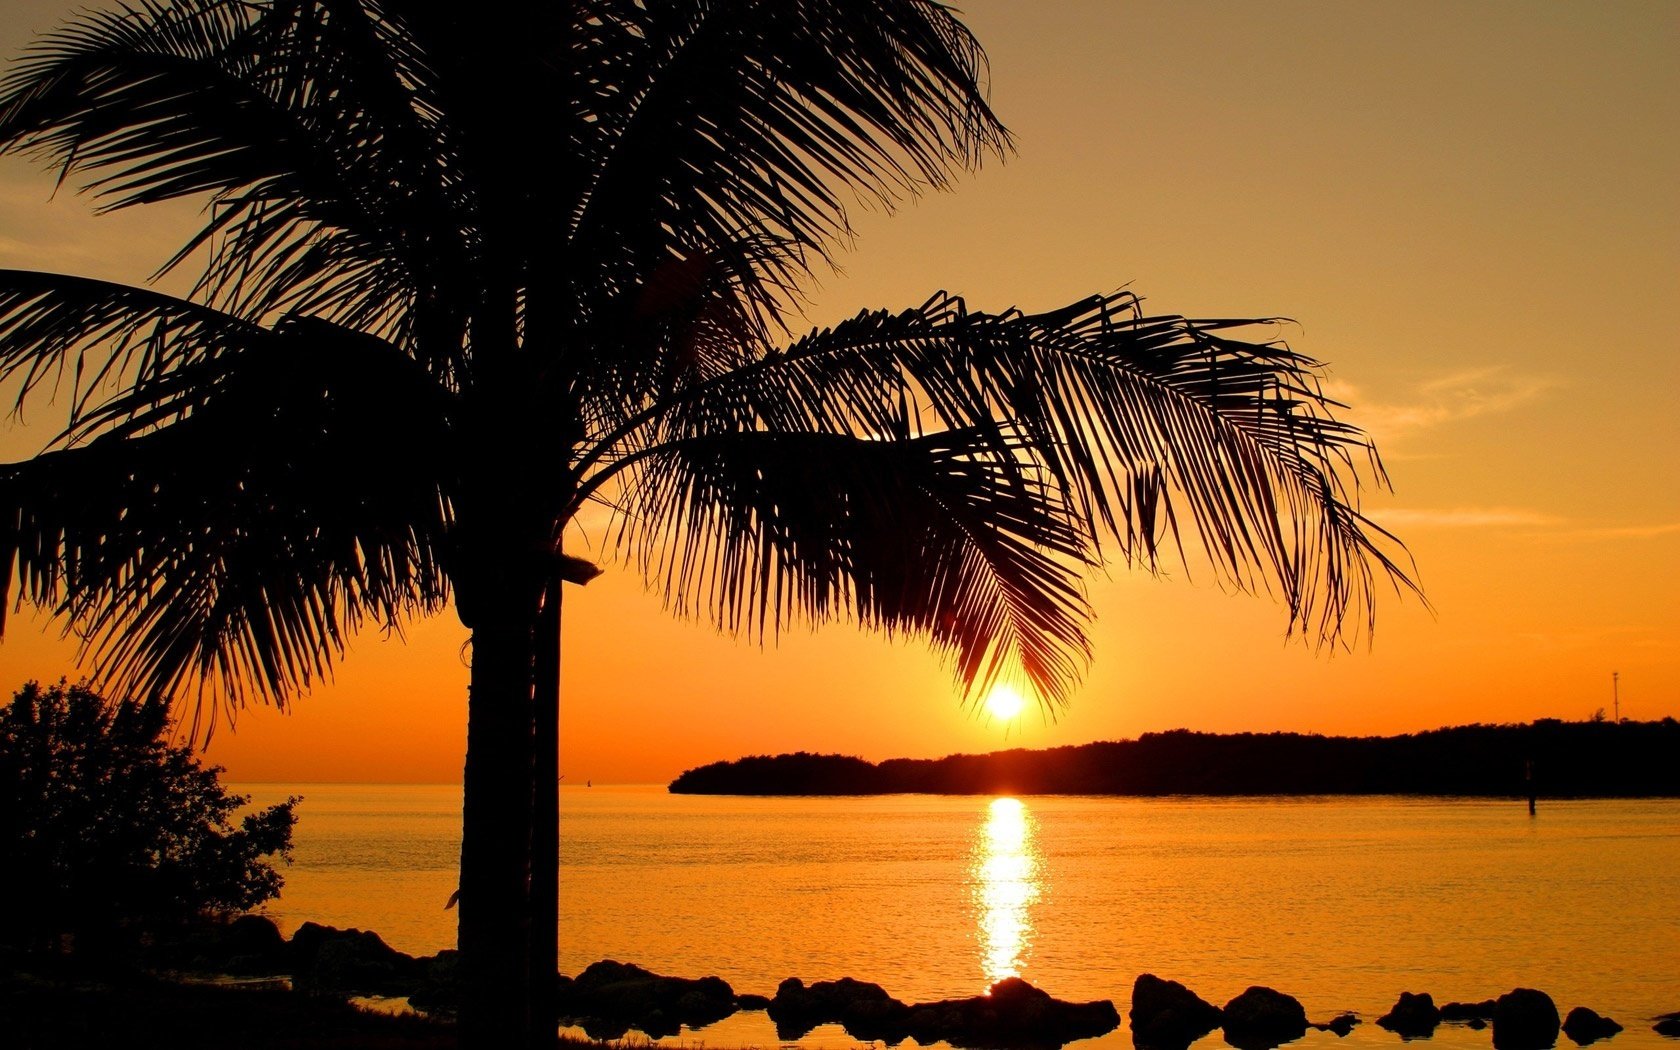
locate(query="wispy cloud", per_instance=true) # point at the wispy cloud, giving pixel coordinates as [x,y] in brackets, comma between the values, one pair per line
[1464,518]
[1449,398]
[1625,532]
[1540,523]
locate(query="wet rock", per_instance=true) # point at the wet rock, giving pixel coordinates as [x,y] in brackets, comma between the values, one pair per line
[1261,1018]
[327,960]
[438,992]
[1012,1014]
[1165,1015]
[1587,1026]
[1482,1011]
[1668,1024]
[1524,1019]
[249,945]
[861,1005]
[1341,1024]
[609,998]
[1413,1016]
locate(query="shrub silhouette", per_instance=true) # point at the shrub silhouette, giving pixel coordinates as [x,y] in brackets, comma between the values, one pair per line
[108,828]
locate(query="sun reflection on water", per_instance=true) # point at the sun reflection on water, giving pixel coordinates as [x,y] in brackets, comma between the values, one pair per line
[1004,878]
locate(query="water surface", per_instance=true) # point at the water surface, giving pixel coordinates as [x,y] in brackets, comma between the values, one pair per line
[1341,902]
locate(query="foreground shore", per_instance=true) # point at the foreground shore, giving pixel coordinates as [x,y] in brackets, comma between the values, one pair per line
[60,1007]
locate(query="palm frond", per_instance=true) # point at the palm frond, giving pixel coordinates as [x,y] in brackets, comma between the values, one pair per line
[942,537]
[310,152]
[236,546]
[95,333]
[1142,422]
[718,125]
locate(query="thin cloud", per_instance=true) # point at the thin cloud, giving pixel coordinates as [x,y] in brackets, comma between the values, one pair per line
[1551,526]
[1464,518]
[1450,398]
[1625,532]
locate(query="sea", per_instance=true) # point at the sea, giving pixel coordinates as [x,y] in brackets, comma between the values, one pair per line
[1341,902]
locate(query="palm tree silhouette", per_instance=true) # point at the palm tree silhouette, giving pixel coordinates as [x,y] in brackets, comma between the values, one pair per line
[467,269]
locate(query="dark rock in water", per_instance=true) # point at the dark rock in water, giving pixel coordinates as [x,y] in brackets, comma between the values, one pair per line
[1165,1015]
[609,998]
[1477,1023]
[1668,1024]
[1586,1026]
[439,989]
[1482,1011]
[1413,1016]
[1341,1024]
[862,1007]
[249,945]
[1524,1019]
[328,960]
[1012,1014]
[1262,1018]
[752,1002]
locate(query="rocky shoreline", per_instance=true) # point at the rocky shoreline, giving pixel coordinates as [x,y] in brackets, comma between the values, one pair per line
[609,1000]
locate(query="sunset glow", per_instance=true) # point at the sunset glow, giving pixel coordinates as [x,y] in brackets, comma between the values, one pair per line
[1005,880]
[1422,189]
[1004,702]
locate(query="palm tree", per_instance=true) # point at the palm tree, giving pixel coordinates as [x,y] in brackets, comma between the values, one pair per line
[465,271]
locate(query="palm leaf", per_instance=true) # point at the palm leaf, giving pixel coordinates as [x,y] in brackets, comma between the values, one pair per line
[940,537]
[238,544]
[1142,423]
[724,125]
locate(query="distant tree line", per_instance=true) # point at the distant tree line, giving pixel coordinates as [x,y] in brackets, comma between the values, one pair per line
[1594,759]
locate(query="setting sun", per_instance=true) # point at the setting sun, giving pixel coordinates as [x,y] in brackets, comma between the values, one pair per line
[1004,702]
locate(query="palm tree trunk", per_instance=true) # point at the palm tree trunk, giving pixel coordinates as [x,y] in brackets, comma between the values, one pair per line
[496,822]
[545,822]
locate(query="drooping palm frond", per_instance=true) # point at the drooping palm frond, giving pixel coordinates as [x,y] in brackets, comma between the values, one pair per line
[98,333]
[326,189]
[1137,423]
[714,127]
[950,537]
[235,546]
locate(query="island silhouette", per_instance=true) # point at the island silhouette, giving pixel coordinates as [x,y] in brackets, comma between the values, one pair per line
[1548,757]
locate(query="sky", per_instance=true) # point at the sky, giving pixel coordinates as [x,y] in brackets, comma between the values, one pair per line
[1468,209]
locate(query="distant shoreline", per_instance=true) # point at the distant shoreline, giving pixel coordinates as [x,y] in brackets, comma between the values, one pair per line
[1547,758]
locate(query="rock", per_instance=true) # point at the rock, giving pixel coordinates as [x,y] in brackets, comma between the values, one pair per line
[752,1002]
[249,945]
[864,1009]
[1668,1024]
[439,989]
[1262,1018]
[1482,1011]
[1586,1026]
[609,998]
[328,960]
[1165,1015]
[1341,1024]
[1524,1019]
[1413,1016]
[1012,1014]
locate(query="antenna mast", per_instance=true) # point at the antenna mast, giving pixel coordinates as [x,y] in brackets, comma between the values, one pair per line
[1616,692]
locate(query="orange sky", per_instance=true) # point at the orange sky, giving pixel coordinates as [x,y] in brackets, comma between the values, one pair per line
[1471,210]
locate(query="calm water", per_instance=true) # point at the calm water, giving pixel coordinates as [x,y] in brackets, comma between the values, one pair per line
[1342,903]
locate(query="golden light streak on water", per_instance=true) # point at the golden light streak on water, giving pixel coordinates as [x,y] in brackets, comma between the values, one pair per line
[1005,878]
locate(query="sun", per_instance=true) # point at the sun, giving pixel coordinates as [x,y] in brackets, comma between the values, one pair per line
[1004,702]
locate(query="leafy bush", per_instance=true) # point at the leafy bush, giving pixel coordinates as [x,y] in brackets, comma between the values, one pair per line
[105,826]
